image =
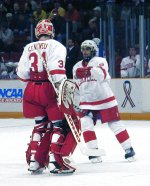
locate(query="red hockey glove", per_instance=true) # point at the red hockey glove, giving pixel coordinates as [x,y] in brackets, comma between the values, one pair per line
[83,72]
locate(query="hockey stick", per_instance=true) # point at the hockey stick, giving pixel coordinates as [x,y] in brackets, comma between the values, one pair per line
[66,97]
[76,134]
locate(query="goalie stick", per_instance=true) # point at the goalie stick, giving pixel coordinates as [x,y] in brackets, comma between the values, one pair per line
[76,134]
[66,94]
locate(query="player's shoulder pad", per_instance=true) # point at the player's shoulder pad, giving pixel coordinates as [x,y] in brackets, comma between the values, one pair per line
[55,42]
[78,64]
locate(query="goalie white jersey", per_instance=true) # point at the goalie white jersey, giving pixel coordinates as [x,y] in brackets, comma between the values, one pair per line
[53,52]
[95,92]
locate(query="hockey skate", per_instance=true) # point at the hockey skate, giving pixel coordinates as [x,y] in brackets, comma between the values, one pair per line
[130,154]
[56,169]
[95,159]
[35,168]
[62,171]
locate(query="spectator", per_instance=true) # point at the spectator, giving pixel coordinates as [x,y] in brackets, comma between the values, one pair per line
[94,23]
[3,70]
[11,70]
[10,21]
[148,69]
[59,25]
[92,31]
[39,14]
[8,70]
[73,17]
[9,5]
[28,9]
[16,11]
[130,65]
[22,26]
[6,38]
[34,4]
[72,56]
[3,11]
[61,11]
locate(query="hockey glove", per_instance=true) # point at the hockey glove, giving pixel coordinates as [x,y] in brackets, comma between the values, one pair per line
[83,72]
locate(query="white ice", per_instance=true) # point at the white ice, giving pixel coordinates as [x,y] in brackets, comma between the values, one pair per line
[113,171]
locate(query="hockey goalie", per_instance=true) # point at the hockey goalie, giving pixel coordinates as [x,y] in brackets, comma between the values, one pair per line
[42,68]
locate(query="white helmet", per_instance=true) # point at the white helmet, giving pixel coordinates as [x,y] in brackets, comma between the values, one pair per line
[89,44]
[97,41]
[44,27]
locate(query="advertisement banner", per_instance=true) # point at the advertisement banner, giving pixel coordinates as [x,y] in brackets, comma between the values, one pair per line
[132,95]
[11,92]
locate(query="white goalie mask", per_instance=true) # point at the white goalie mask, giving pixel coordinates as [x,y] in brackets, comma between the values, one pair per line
[44,27]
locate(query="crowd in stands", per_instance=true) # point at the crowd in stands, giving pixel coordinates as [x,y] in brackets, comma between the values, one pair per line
[82,18]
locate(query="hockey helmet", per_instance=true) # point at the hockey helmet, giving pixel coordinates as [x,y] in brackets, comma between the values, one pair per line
[44,27]
[92,46]
[89,44]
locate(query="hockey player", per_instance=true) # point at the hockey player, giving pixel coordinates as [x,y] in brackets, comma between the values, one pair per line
[94,96]
[50,136]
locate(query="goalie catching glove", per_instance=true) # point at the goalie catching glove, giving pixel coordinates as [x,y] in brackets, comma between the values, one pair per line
[66,96]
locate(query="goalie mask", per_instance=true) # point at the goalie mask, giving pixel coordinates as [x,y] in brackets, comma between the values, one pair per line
[91,45]
[44,27]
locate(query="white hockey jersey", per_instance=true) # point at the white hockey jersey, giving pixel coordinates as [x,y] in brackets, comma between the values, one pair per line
[52,51]
[129,67]
[94,92]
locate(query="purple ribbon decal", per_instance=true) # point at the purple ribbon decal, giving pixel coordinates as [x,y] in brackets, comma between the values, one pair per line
[127,90]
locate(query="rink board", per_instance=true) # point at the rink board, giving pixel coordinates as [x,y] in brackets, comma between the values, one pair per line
[124,116]
[132,96]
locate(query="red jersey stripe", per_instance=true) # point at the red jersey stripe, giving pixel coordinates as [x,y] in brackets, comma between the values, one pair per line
[99,102]
[53,72]
[24,80]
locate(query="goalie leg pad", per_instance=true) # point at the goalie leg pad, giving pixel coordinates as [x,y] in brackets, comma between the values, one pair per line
[41,155]
[69,145]
[56,144]
[37,135]
[32,148]
[61,146]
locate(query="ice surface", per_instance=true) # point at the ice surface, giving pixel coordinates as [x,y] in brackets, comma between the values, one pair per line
[113,171]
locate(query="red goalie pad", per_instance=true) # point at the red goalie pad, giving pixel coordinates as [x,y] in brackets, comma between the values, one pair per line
[41,150]
[32,146]
[66,94]
[41,155]
[69,145]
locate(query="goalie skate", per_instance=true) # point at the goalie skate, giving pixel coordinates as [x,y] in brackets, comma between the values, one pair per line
[66,167]
[34,168]
[62,171]
[56,169]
